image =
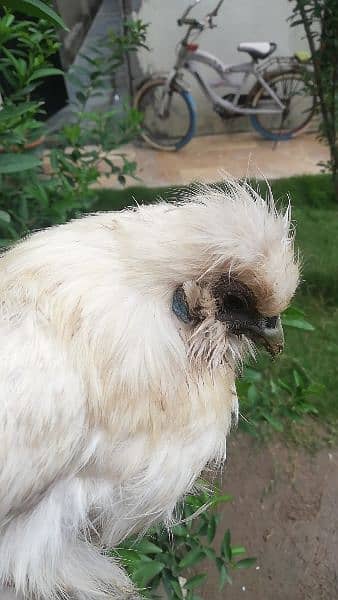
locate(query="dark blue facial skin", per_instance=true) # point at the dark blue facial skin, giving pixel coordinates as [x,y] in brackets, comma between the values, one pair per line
[180,306]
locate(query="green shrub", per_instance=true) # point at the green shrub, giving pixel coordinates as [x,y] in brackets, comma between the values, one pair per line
[174,558]
[31,195]
[276,402]
[320,21]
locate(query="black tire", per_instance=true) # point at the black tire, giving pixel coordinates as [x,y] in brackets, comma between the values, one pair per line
[173,131]
[300,107]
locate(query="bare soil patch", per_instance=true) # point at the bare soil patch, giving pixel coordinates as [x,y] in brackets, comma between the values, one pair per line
[285,512]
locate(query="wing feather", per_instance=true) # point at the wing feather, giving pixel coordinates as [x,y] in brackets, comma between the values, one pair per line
[41,413]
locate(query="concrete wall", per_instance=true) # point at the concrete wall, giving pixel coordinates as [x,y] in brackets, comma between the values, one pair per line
[108,17]
[78,15]
[238,20]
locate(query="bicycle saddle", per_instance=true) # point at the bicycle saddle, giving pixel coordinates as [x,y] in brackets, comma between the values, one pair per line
[257,49]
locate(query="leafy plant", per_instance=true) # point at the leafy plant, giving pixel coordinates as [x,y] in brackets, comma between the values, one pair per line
[90,135]
[173,559]
[26,48]
[295,317]
[276,401]
[320,21]
[35,194]
[35,8]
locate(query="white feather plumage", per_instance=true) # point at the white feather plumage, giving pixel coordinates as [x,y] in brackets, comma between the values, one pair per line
[110,406]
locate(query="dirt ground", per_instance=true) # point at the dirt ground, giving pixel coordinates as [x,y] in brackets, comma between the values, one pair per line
[285,513]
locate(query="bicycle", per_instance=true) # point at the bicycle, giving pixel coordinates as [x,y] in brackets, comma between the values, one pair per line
[279,104]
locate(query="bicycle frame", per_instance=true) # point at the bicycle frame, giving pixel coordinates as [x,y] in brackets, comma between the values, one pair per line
[188,60]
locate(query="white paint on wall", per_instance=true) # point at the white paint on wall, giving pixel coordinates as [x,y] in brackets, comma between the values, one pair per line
[238,21]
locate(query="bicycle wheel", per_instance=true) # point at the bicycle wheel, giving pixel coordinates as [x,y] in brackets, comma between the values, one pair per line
[173,130]
[299,107]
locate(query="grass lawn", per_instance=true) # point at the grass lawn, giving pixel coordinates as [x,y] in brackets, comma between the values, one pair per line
[316,217]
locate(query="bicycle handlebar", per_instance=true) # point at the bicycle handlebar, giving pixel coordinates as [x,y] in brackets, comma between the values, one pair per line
[187,11]
[198,24]
[191,22]
[214,12]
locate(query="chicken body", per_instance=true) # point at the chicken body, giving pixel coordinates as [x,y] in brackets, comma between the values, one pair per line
[111,405]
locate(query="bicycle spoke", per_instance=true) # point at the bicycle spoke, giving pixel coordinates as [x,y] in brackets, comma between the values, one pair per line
[299,105]
[166,120]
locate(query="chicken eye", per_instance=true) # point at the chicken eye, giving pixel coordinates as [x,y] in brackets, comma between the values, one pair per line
[234,300]
[234,303]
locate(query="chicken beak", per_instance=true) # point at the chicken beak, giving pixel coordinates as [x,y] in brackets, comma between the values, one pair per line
[272,338]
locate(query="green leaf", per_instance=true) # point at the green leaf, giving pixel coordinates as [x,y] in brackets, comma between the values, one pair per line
[42,73]
[219,499]
[297,378]
[4,216]
[195,581]
[9,229]
[146,547]
[179,531]
[146,572]
[298,324]
[13,112]
[293,312]
[210,553]
[16,162]
[195,502]
[224,576]
[5,243]
[35,8]
[202,530]
[177,588]
[129,557]
[236,550]
[211,532]
[315,389]
[245,563]
[192,558]
[275,423]
[282,384]
[309,409]
[226,546]
[253,394]
[252,375]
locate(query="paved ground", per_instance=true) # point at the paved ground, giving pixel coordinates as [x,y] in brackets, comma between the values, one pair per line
[206,157]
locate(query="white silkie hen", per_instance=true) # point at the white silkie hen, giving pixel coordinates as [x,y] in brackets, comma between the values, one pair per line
[120,338]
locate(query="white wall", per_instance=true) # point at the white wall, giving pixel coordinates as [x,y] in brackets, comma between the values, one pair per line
[238,20]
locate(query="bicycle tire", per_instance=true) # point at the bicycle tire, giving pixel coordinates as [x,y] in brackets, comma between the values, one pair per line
[261,122]
[169,136]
